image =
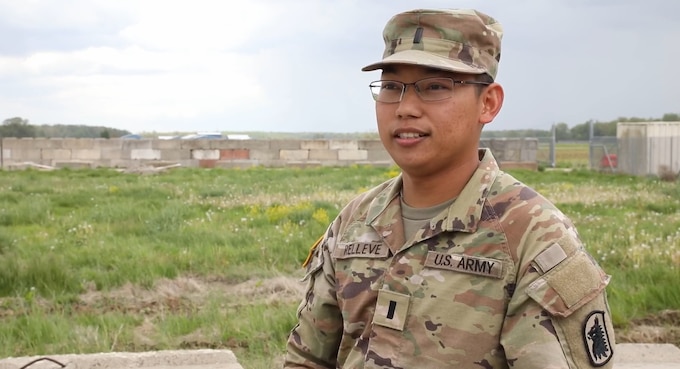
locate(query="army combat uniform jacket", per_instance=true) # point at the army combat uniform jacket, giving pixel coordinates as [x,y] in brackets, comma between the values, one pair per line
[499,279]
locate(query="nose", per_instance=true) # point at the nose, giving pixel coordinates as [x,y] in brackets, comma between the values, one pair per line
[409,104]
[408,86]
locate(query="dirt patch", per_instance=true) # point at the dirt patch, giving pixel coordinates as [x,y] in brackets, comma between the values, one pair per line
[189,294]
[663,327]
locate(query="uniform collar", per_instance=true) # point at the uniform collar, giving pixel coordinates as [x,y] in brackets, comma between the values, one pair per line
[464,214]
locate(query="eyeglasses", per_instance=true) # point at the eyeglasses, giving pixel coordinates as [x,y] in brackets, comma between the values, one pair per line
[429,89]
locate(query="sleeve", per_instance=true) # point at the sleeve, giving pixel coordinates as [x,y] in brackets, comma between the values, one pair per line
[558,316]
[314,341]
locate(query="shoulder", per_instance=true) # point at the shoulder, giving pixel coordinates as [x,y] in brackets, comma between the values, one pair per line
[513,198]
[530,221]
[356,210]
[376,197]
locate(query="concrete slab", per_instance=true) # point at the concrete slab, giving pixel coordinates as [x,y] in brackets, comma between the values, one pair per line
[627,356]
[646,356]
[170,359]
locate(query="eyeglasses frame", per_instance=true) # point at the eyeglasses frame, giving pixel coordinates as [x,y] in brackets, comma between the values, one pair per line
[405,86]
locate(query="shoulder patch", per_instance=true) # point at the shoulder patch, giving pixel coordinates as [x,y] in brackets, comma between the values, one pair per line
[596,339]
[311,252]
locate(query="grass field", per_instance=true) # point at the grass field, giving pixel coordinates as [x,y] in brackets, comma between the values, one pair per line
[567,154]
[97,260]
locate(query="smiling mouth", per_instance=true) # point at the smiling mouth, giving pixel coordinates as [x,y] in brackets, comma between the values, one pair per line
[410,135]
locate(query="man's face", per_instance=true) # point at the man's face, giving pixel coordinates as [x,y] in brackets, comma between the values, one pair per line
[428,137]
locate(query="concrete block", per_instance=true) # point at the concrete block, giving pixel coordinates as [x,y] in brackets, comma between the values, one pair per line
[264,155]
[108,145]
[145,154]
[239,144]
[175,154]
[278,145]
[166,144]
[378,155]
[78,143]
[294,155]
[234,154]
[370,145]
[323,154]
[25,154]
[46,143]
[314,145]
[528,154]
[86,154]
[179,359]
[14,143]
[343,145]
[111,153]
[352,154]
[193,144]
[646,355]
[6,154]
[136,144]
[205,154]
[56,154]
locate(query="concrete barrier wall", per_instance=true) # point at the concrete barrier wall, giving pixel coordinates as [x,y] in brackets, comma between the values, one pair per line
[224,153]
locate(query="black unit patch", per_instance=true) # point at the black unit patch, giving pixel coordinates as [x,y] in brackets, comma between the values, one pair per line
[596,339]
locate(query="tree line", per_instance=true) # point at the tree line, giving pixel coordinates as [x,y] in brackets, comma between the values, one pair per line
[579,132]
[19,127]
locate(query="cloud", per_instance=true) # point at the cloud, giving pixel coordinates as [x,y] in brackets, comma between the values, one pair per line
[294,65]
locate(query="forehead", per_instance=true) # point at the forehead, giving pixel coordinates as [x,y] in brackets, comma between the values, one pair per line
[418,71]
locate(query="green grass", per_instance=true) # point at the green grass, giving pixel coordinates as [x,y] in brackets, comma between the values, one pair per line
[567,154]
[97,260]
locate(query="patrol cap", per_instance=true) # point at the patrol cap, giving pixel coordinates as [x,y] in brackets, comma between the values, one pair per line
[458,40]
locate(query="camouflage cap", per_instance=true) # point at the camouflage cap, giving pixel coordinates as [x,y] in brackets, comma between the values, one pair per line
[458,40]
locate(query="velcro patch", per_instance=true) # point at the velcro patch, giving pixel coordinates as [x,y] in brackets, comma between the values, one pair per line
[549,258]
[361,250]
[465,264]
[391,309]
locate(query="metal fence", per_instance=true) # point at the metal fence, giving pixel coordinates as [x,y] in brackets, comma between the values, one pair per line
[604,153]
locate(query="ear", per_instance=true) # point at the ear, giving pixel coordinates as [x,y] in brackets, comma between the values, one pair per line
[491,102]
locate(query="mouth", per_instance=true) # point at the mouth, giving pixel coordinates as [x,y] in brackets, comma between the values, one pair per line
[409,135]
[409,138]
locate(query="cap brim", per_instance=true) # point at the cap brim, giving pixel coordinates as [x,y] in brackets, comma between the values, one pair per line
[425,59]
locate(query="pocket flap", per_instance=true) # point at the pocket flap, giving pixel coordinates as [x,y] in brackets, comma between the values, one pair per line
[569,285]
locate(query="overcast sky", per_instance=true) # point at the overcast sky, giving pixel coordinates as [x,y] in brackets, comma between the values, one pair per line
[294,65]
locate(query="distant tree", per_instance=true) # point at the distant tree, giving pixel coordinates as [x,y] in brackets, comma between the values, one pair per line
[670,117]
[17,127]
[78,131]
[562,132]
[581,131]
[605,129]
[105,134]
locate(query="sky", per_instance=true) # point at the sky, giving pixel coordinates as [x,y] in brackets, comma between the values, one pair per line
[295,65]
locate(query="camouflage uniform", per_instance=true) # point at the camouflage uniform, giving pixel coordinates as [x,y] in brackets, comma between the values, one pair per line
[499,279]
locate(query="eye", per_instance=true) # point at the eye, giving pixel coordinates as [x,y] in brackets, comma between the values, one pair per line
[435,85]
[390,85]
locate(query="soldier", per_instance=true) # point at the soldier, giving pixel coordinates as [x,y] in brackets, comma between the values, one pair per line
[454,263]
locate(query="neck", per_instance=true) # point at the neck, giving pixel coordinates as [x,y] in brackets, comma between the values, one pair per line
[426,191]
